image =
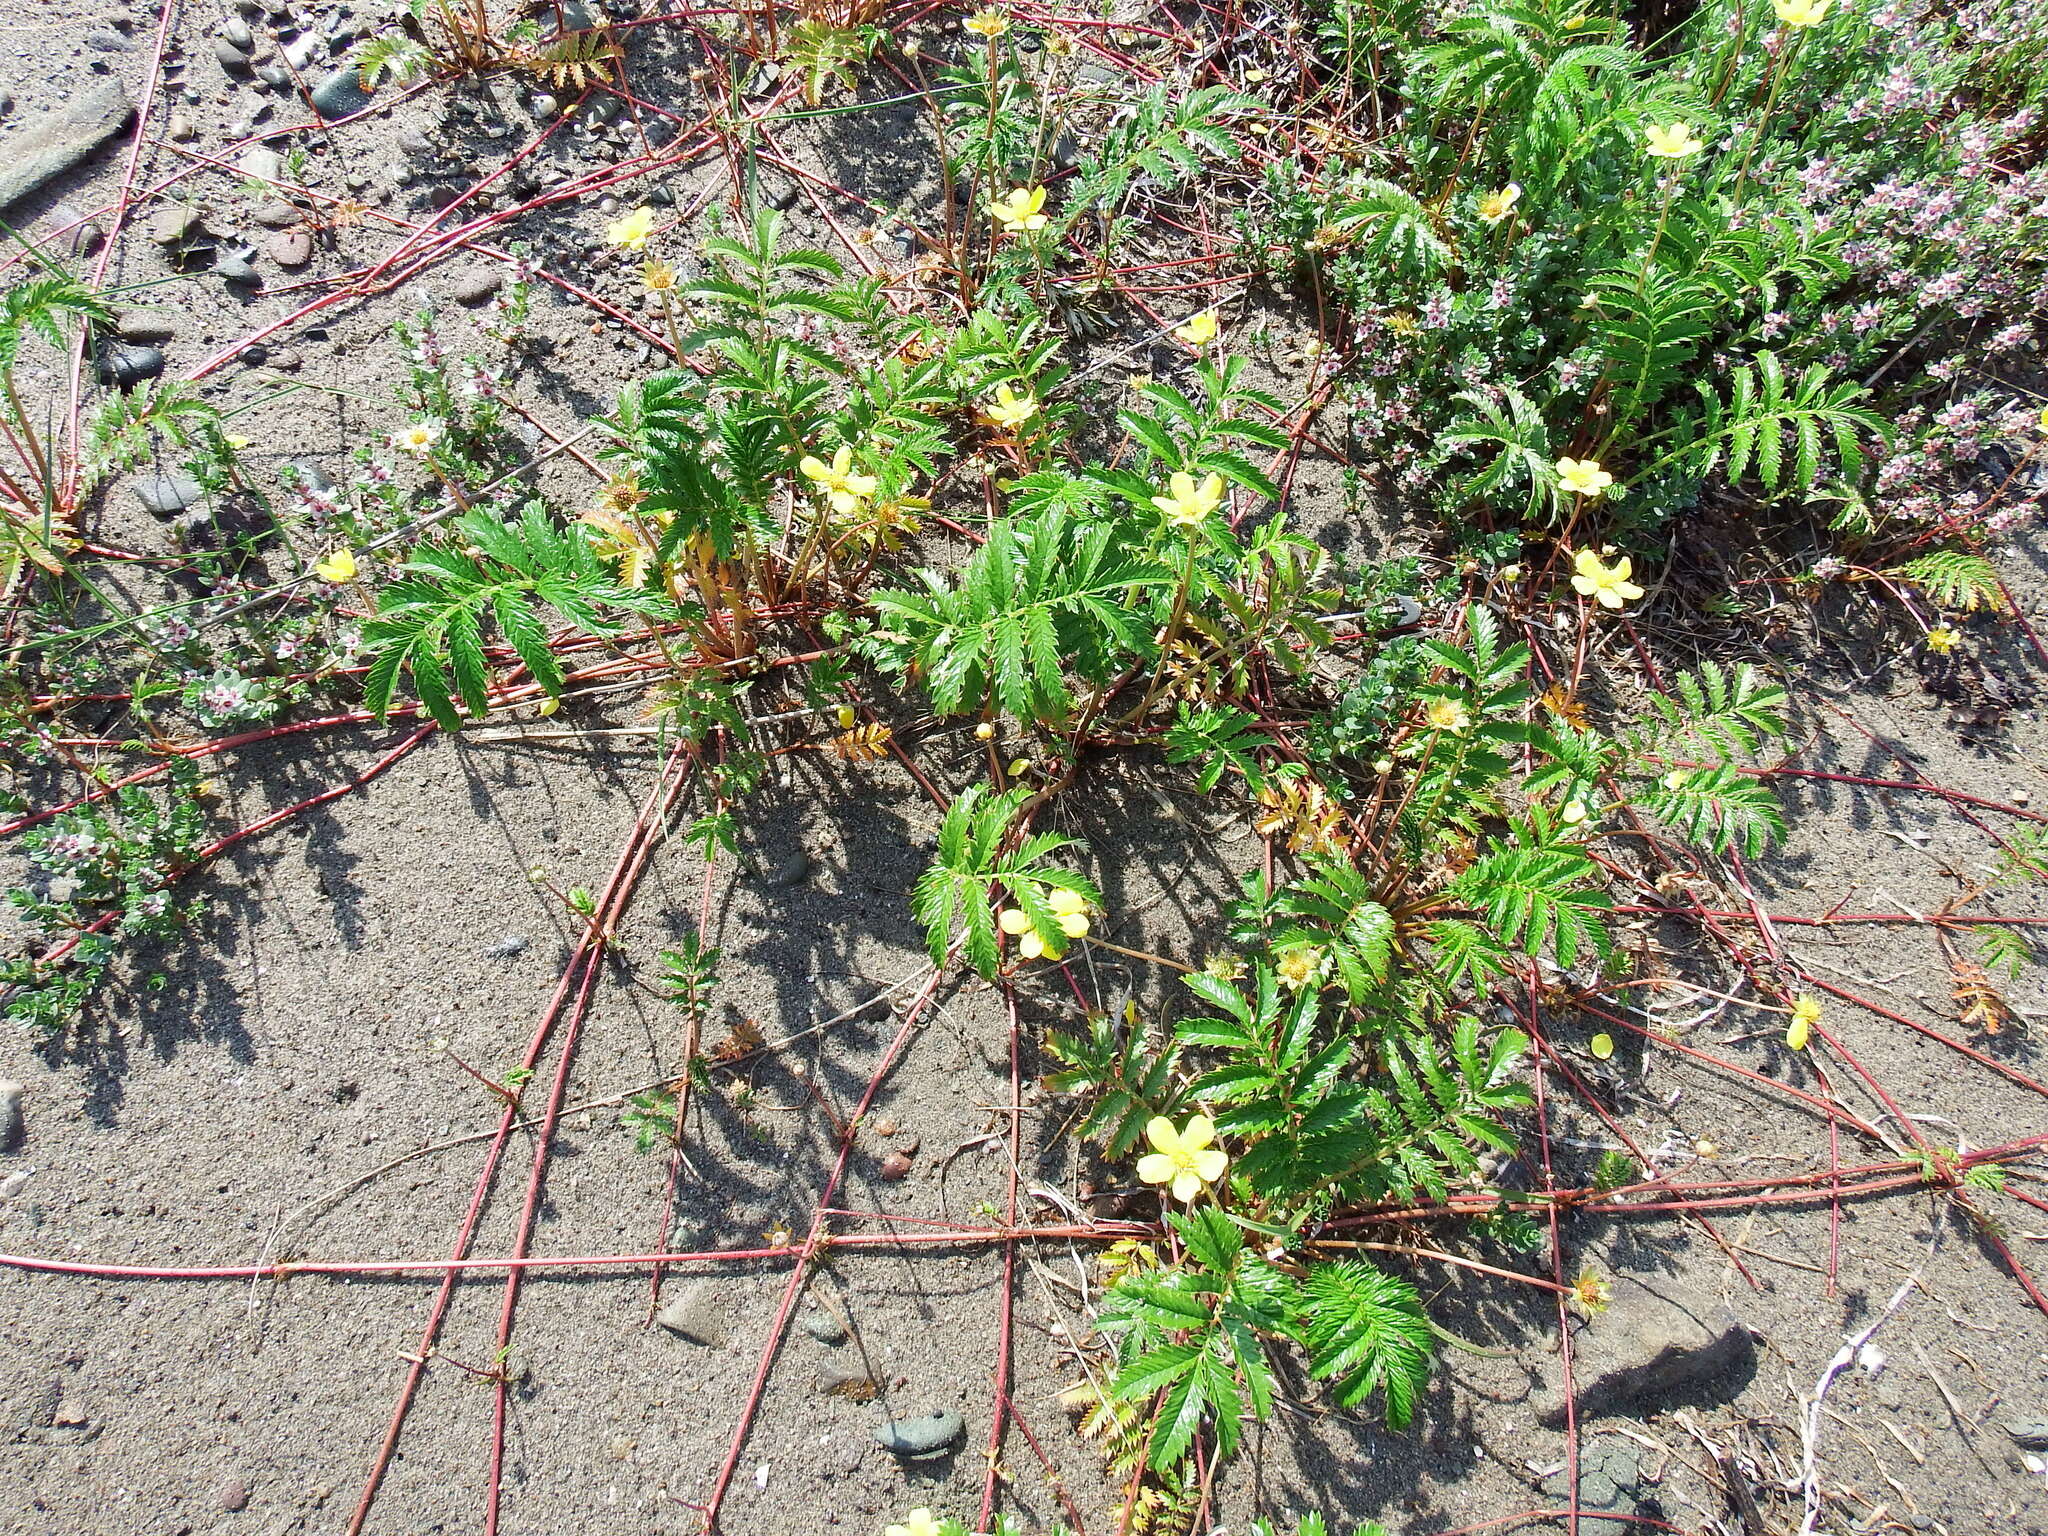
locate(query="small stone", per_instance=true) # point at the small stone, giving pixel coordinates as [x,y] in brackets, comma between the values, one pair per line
[475,287]
[849,1382]
[124,367]
[908,1145]
[885,1125]
[276,214]
[13,1184]
[794,870]
[276,76]
[232,59]
[824,1327]
[340,94]
[235,32]
[232,1494]
[694,1314]
[545,107]
[67,232]
[145,326]
[261,163]
[301,53]
[10,1113]
[174,226]
[511,944]
[921,1436]
[895,1168]
[168,494]
[181,129]
[47,144]
[238,267]
[290,248]
[2027,1434]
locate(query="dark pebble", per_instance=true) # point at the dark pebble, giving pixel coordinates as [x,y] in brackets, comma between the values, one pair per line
[475,287]
[232,59]
[923,1436]
[124,366]
[340,94]
[895,1167]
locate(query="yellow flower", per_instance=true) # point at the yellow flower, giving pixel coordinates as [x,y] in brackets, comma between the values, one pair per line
[1447,714]
[1200,329]
[846,489]
[1182,1159]
[990,23]
[1805,1014]
[338,566]
[985,731]
[417,439]
[1187,504]
[1070,909]
[1800,14]
[1020,210]
[630,233]
[1496,206]
[1401,323]
[1573,813]
[1583,477]
[1298,966]
[918,1522]
[1942,639]
[1607,585]
[1590,1295]
[2043,418]
[1009,409]
[658,275]
[1673,143]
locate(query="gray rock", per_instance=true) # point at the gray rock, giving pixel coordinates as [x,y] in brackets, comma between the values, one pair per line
[181,129]
[232,1494]
[276,76]
[301,53]
[50,143]
[10,1113]
[175,227]
[314,478]
[824,1327]
[545,106]
[169,494]
[261,162]
[290,248]
[694,1314]
[239,267]
[2027,1434]
[927,1436]
[146,326]
[1610,1483]
[341,94]
[794,870]
[511,944]
[236,34]
[106,40]
[1659,1342]
[475,287]
[13,1184]
[232,59]
[124,367]
[276,214]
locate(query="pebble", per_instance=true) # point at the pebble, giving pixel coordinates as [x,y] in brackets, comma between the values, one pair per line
[124,366]
[290,248]
[545,107]
[238,266]
[694,1314]
[68,232]
[276,214]
[824,1327]
[10,1113]
[236,34]
[340,94]
[475,287]
[232,59]
[300,54]
[13,1184]
[168,494]
[49,143]
[922,1436]
[908,1146]
[174,225]
[794,870]
[181,130]
[2027,1434]
[895,1168]
[510,945]
[232,1494]
[146,326]
[885,1125]
[276,76]
[261,162]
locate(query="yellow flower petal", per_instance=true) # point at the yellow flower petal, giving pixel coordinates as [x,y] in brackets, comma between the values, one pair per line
[1156,1167]
[338,566]
[1014,920]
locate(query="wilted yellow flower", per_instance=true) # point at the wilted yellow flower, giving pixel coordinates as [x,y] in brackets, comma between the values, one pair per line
[1583,477]
[1009,409]
[1607,585]
[1447,714]
[631,232]
[985,731]
[1186,503]
[989,23]
[1805,1014]
[846,490]
[1590,1295]
[1496,206]
[1673,143]
[658,275]
[1200,329]
[1800,14]
[1943,639]
[1020,211]
[338,566]
[1182,1159]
